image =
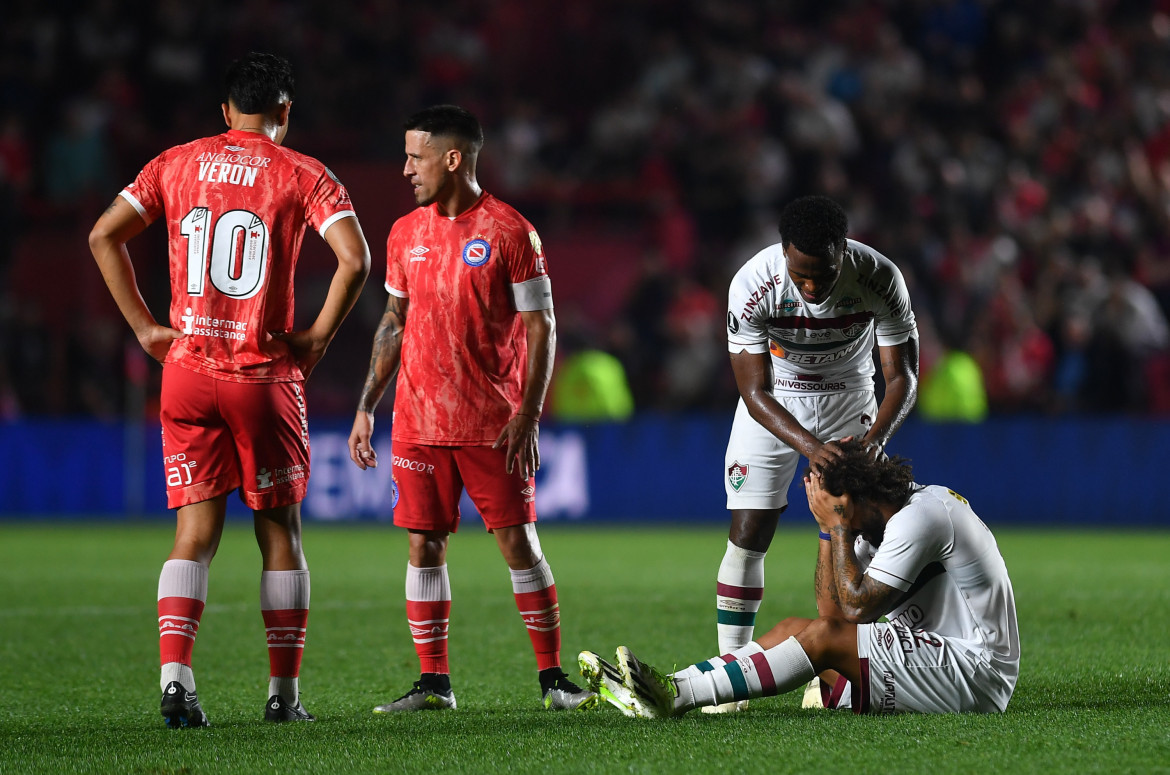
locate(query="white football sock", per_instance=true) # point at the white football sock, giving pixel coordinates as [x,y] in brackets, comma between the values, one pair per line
[739,592]
[751,672]
[177,671]
[288,688]
[188,579]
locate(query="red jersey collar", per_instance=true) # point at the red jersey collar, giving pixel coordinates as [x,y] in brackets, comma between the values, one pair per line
[483,197]
[243,136]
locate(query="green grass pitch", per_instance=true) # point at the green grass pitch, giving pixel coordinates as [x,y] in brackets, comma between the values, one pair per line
[79,671]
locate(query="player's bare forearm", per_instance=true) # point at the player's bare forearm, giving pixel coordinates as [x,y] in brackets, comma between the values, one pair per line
[386,354]
[900,371]
[824,586]
[541,328]
[753,377]
[353,265]
[861,598]
[107,242]
[344,290]
[858,597]
[521,435]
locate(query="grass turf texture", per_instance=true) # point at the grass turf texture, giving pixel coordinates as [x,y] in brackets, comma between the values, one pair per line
[79,689]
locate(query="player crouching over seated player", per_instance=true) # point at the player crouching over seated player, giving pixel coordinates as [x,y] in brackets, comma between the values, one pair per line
[916,555]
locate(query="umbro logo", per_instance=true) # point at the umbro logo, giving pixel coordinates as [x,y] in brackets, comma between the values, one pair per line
[234,148]
[419,253]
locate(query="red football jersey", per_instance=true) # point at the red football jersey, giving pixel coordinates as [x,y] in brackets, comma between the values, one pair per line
[236,207]
[464,350]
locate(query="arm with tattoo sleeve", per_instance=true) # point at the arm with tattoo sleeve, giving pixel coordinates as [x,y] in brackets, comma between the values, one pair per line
[823,583]
[384,362]
[387,353]
[861,598]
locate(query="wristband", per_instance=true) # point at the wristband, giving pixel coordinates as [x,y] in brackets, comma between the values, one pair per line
[532,417]
[825,536]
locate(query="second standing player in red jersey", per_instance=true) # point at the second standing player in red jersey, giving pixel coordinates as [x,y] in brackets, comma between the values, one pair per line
[470,321]
[235,207]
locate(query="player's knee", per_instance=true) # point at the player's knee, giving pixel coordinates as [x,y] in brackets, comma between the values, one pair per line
[825,639]
[753,529]
[784,630]
[428,549]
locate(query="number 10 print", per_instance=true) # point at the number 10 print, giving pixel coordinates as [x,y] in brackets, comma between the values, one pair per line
[238,247]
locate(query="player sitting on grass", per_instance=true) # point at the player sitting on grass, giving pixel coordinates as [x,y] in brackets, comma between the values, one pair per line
[917,556]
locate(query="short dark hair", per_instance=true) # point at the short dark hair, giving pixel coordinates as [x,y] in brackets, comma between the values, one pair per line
[448,121]
[816,225]
[875,481]
[258,83]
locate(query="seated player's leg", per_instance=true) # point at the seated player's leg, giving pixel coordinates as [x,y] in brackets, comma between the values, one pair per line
[831,645]
[905,670]
[749,672]
[784,630]
[816,687]
[507,505]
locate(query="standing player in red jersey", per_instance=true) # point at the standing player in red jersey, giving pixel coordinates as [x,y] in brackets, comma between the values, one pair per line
[233,406]
[470,320]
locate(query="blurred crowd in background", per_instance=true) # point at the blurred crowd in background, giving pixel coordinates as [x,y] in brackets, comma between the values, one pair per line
[1012,158]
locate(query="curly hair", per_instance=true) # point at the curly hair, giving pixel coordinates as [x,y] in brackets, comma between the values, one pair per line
[856,473]
[816,225]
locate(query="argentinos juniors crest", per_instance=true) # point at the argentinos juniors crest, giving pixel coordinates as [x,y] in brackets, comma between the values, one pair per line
[736,475]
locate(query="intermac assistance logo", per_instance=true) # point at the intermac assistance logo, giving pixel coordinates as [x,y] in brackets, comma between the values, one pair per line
[736,475]
[477,252]
[266,479]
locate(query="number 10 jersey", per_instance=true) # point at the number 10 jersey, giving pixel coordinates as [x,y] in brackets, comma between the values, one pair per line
[236,207]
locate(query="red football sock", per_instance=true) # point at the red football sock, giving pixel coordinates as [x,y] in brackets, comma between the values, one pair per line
[182,592]
[178,624]
[284,604]
[428,612]
[536,597]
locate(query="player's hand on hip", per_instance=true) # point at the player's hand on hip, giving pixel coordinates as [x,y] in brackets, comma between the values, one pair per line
[306,349]
[361,448]
[522,437]
[157,341]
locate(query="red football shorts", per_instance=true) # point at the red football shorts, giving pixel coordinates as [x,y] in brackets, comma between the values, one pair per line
[220,435]
[431,479]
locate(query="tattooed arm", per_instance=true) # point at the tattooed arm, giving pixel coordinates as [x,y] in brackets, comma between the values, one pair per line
[384,362]
[861,598]
[839,577]
[824,586]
